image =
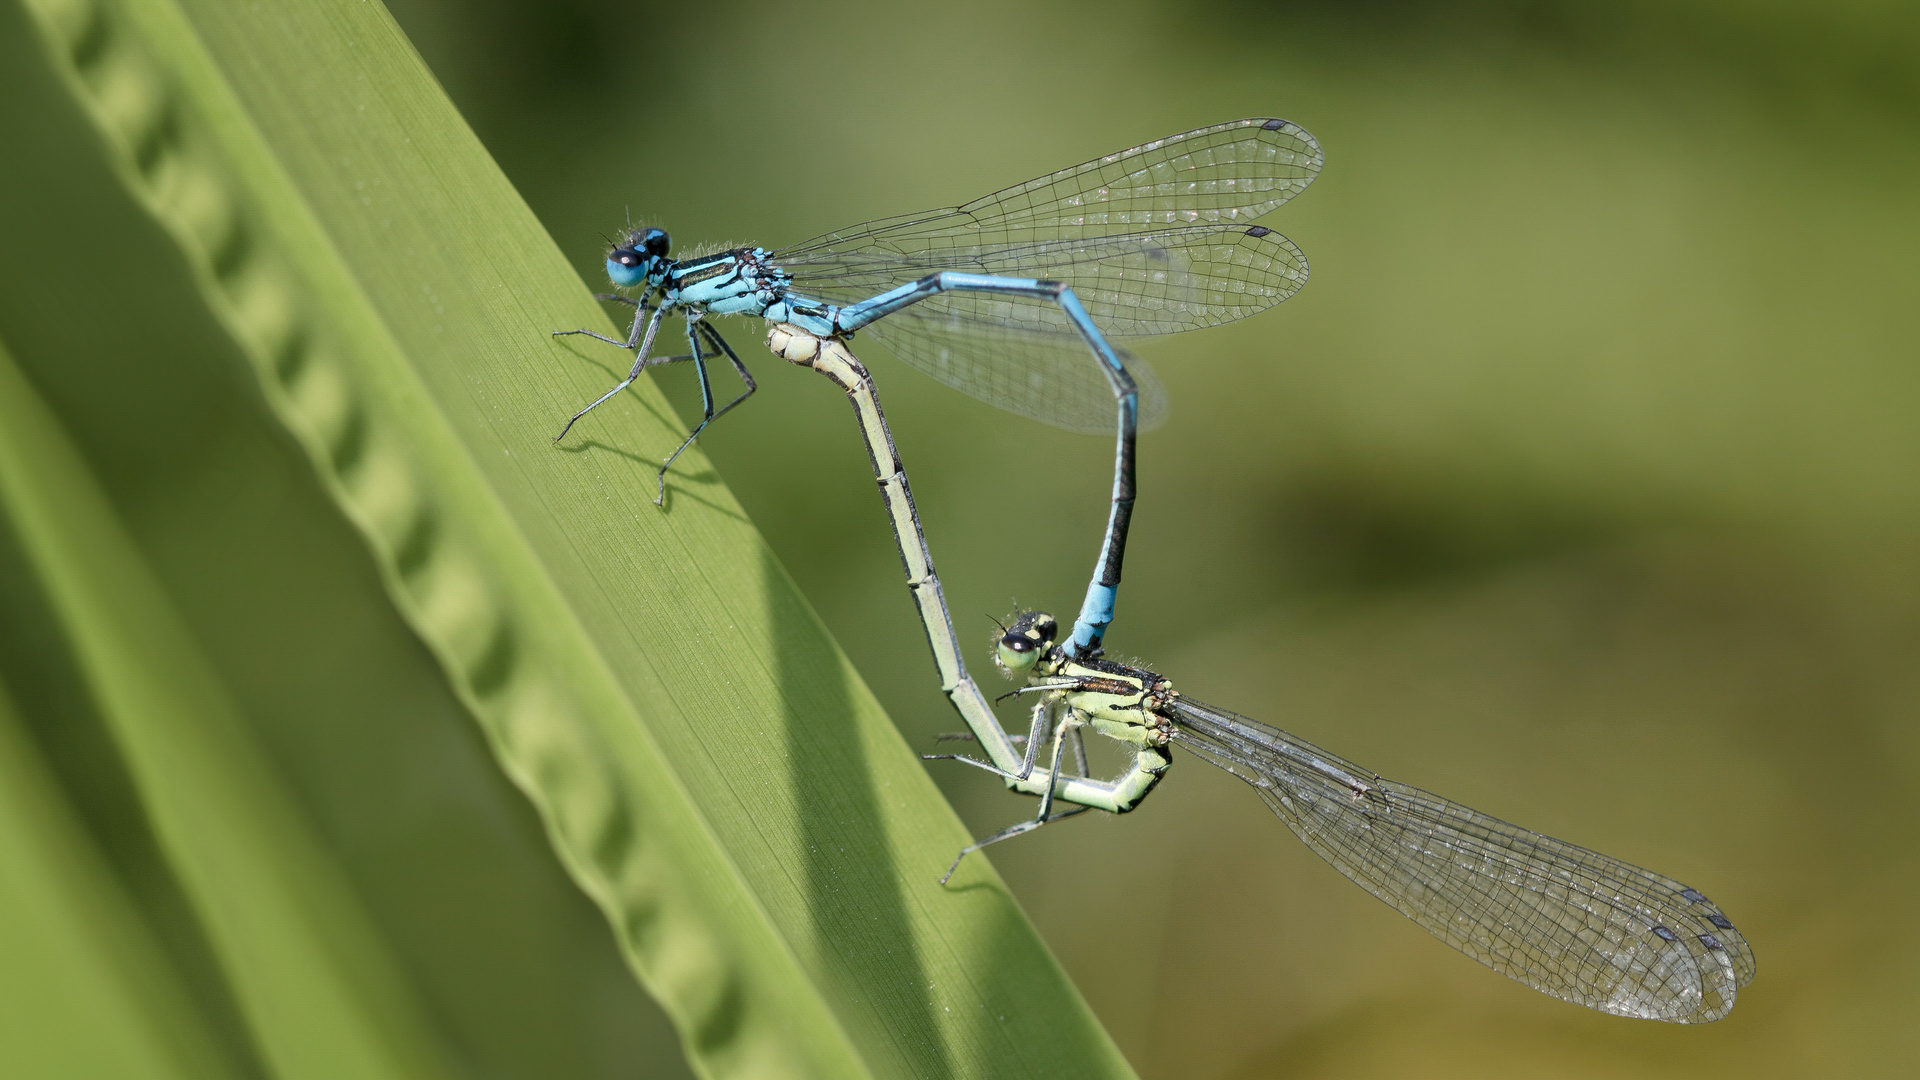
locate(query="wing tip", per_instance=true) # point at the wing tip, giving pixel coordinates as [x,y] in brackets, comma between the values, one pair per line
[1289,128]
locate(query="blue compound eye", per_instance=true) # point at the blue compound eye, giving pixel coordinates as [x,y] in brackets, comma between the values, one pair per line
[625,266]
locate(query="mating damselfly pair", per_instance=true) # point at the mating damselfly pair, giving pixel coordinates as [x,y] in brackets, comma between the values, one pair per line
[1012,298]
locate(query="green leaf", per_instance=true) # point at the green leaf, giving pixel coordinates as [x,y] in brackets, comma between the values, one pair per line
[315,990]
[86,990]
[280,506]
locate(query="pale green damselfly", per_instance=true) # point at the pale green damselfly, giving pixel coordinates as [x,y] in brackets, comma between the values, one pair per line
[1570,922]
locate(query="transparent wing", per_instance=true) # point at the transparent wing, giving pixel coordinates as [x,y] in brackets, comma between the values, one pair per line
[1569,922]
[1039,367]
[1154,240]
[1227,173]
[1138,284]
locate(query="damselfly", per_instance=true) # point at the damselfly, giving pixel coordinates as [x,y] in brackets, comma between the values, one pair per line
[1012,297]
[1567,921]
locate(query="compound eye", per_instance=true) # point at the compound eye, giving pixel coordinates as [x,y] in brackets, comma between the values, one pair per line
[1017,643]
[656,242]
[625,256]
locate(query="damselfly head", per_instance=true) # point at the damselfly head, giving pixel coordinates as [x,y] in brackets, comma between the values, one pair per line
[643,255]
[1024,643]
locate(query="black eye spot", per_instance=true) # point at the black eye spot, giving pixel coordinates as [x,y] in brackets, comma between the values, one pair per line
[625,256]
[1016,643]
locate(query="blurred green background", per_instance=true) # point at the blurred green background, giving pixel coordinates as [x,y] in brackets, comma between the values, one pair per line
[1580,484]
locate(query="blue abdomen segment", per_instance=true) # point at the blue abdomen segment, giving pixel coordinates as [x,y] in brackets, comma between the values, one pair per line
[854,316]
[1096,612]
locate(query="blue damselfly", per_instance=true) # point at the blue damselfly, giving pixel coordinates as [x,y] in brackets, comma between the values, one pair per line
[1012,297]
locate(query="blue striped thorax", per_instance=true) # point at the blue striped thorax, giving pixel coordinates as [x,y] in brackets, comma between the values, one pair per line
[743,281]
